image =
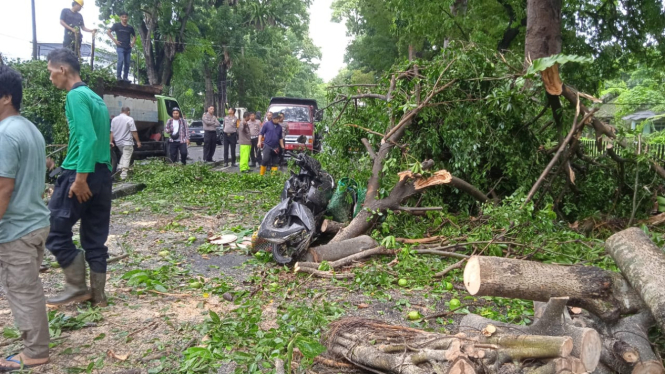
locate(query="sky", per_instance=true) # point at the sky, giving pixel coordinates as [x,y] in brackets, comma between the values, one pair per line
[16,30]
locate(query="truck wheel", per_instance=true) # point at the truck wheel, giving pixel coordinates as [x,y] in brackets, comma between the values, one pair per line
[199,143]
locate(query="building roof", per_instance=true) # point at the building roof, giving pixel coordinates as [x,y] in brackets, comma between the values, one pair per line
[640,115]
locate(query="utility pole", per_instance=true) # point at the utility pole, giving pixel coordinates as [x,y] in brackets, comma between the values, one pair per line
[34,32]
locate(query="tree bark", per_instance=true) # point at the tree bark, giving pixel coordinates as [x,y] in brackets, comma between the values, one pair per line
[210,92]
[543,29]
[339,250]
[145,30]
[601,292]
[643,265]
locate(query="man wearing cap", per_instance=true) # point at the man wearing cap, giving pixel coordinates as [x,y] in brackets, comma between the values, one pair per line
[124,41]
[83,190]
[72,21]
[178,130]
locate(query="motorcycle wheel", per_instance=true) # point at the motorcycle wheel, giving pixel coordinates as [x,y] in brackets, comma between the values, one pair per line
[279,251]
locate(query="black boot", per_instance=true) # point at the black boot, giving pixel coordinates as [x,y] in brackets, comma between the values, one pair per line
[97,284]
[76,289]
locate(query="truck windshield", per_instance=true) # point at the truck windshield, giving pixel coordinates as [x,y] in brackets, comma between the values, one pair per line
[292,113]
[170,104]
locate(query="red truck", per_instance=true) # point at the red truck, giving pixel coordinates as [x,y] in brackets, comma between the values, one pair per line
[299,118]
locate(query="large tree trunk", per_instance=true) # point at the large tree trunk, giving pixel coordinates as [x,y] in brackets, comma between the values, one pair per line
[601,292]
[543,29]
[643,265]
[210,92]
[221,88]
[145,30]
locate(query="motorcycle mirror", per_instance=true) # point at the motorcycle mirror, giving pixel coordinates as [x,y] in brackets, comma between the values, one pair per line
[302,139]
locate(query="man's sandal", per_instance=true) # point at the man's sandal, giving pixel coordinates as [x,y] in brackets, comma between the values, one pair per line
[6,368]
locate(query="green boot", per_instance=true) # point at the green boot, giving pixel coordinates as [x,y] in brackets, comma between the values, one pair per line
[76,289]
[97,284]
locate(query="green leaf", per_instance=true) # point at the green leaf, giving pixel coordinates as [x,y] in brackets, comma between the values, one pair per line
[214,317]
[309,347]
[561,59]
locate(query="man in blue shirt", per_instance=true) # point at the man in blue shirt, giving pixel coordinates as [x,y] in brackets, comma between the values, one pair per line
[270,139]
[24,223]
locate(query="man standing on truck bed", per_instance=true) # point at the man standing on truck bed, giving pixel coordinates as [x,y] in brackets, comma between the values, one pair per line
[177,128]
[72,21]
[83,190]
[210,125]
[230,136]
[124,41]
[123,129]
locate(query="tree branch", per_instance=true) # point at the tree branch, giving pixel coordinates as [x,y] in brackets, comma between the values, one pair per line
[370,150]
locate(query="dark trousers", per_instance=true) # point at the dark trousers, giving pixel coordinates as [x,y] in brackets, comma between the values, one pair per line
[270,158]
[124,59]
[176,148]
[95,216]
[255,152]
[209,145]
[230,141]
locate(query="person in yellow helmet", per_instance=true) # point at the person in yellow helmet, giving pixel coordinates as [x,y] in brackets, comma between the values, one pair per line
[72,21]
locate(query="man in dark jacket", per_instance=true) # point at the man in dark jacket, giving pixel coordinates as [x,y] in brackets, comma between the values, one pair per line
[270,139]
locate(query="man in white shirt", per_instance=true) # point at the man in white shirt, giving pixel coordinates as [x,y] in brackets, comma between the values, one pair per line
[123,129]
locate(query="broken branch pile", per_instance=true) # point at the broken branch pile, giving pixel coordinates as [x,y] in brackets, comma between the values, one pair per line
[593,320]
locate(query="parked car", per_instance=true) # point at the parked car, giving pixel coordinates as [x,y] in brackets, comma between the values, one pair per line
[196,133]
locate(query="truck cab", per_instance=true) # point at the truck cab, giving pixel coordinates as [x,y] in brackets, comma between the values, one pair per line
[299,118]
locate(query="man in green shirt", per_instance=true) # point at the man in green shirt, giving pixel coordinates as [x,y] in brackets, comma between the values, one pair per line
[24,223]
[83,190]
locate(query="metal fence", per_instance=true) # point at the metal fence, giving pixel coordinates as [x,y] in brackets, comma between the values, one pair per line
[656,151]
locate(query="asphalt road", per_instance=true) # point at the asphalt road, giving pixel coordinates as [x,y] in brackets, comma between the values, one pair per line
[196,153]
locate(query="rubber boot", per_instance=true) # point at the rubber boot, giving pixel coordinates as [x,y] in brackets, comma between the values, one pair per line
[274,168]
[76,289]
[97,284]
[263,170]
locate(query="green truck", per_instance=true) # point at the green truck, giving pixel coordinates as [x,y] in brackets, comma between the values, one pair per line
[150,111]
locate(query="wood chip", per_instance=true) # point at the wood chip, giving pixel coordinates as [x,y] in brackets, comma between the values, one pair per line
[117,356]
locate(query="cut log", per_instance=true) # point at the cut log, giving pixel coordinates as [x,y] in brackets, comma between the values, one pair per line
[331,227]
[519,347]
[462,366]
[633,331]
[586,342]
[642,264]
[339,250]
[601,292]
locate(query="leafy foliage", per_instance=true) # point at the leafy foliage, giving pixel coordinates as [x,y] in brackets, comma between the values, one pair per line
[43,104]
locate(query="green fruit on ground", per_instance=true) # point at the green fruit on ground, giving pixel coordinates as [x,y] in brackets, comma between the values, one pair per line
[55,264]
[164,253]
[454,303]
[192,238]
[137,209]
[125,212]
[402,282]
[449,286]
[195,285]
[414,315]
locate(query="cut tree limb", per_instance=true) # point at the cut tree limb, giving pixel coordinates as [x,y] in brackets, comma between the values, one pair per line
[370,150]
[335,251]
[643,265]
[349,259]
[330,226]
[601,292]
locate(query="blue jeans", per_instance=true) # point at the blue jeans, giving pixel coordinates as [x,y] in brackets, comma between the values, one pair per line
[124,58]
